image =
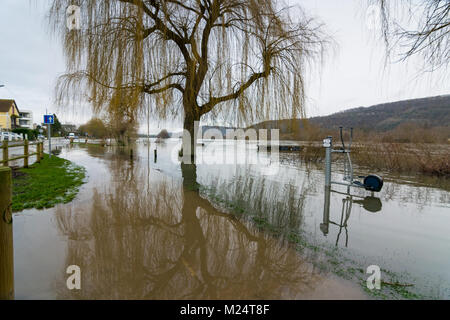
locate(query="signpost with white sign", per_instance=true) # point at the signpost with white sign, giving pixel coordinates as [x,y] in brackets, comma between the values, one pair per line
[49,119]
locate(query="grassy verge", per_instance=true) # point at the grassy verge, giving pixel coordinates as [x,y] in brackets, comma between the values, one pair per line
[43,185]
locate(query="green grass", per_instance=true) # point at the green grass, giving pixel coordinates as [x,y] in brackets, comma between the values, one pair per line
[45,184]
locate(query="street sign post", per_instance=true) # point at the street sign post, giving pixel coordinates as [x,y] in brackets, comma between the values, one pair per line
[49,119]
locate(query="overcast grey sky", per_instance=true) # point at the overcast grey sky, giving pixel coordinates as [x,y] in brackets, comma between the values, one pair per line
[355,75]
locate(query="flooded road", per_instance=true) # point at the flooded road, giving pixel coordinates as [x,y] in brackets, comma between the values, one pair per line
[145,230]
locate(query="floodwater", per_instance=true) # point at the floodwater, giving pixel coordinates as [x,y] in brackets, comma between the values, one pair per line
[141,229]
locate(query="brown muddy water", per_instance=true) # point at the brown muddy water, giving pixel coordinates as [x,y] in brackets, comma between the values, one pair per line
[140,229]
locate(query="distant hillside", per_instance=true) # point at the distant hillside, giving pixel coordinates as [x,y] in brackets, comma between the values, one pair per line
[432,111]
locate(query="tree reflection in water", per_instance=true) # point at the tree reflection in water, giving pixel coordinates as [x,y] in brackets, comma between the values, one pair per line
[155,237]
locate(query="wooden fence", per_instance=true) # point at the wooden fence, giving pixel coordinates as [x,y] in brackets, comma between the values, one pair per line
[26,154]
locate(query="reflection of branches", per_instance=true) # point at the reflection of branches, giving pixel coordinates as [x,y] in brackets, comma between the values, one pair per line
[165,241]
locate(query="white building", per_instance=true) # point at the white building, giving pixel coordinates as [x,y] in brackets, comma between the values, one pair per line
[26,119]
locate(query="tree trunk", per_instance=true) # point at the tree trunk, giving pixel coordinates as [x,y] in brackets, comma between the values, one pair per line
[190,127]
[189,174]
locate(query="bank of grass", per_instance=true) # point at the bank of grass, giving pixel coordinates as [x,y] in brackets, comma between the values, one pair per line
[43,185]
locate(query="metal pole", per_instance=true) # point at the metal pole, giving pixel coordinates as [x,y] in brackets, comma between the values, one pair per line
[324,226]
[328,144]
[49,141]
[328,148]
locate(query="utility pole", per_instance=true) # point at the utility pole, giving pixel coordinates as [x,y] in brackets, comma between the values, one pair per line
[328,145]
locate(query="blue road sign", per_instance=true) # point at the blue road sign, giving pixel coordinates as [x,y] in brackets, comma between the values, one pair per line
[49,119]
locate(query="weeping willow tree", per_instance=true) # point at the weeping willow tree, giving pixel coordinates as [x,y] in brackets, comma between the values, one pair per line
[419,27]
[235,60]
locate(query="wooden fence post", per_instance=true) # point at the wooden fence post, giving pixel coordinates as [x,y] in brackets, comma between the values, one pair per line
[6,236]
[25,153]
[38,151]
[42,150]
[5,153]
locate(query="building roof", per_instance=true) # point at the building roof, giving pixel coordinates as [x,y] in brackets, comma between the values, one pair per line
[6,104]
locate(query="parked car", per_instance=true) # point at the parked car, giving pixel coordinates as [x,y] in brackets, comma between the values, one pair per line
[72,136]
[4,135]
[10,136]
[17,136]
